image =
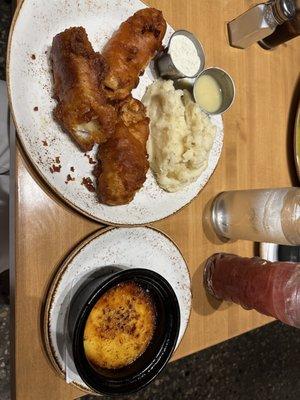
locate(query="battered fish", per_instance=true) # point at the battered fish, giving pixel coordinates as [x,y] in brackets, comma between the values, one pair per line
[123,162]
[130,50]
[78,71]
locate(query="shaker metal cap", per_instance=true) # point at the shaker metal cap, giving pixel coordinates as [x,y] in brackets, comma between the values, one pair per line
[283,10]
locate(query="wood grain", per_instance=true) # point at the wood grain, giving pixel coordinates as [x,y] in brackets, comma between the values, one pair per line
[255,155]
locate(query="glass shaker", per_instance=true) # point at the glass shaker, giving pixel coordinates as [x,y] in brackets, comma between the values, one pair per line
[259,22]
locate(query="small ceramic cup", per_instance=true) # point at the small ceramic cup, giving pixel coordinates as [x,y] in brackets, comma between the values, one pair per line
[145,368]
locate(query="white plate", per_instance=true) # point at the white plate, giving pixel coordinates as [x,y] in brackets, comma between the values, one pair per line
[30,86]
[136,247]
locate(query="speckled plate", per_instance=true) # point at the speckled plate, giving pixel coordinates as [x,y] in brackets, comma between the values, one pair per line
[136,247]
[51,151]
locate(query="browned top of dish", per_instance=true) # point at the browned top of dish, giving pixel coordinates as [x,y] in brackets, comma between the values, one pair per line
[120,326]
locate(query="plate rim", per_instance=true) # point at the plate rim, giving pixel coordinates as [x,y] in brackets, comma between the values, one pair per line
[44,179]
[58,274]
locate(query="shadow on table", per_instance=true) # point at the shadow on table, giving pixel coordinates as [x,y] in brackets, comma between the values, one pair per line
[4,287]
[203,303]
[295,101]
[256,249]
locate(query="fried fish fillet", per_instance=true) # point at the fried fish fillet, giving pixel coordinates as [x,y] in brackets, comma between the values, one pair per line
[78,71]
[123,162]
[130,50]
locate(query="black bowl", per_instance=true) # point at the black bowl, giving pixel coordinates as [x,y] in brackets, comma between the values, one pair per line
[142,371]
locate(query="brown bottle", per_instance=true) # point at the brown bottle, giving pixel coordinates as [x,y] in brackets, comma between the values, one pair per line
[287,31]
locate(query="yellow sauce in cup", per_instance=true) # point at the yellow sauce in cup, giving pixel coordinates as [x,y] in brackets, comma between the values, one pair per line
[207,93]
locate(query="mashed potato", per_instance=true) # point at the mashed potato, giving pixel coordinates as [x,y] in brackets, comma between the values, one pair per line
[181,136]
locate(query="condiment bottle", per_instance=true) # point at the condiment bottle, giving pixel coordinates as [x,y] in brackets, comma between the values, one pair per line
[272,288]
[287,31]
[259,22]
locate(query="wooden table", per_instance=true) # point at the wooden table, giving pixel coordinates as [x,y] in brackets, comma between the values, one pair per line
[255,155]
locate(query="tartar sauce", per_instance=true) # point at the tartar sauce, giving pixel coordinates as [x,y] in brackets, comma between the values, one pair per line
[184,55]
